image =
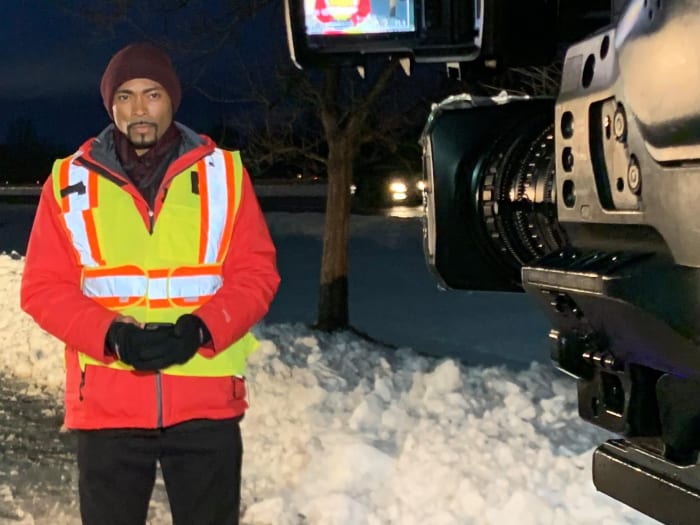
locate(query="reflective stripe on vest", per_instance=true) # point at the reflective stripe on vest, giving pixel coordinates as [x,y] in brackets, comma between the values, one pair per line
[157,292]
[217,219]
[128,285]
[77,198]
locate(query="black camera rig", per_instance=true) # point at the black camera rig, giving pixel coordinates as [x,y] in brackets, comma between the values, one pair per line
[586,202]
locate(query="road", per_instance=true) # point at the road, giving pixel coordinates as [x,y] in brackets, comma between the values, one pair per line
[16,215]
[293,204]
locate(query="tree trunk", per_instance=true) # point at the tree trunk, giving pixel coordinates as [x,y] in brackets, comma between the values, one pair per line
[343,134]
[333,309]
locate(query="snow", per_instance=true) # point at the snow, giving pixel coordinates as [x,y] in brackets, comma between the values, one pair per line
[455,417]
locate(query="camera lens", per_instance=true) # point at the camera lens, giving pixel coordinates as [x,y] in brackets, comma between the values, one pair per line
[516,195]
[492,208]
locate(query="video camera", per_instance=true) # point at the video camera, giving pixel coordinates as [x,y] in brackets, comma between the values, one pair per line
[586,202]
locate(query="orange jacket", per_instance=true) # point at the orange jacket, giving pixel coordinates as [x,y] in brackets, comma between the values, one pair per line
[103,397]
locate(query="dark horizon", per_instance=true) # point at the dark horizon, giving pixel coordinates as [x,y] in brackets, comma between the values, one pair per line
[51,62]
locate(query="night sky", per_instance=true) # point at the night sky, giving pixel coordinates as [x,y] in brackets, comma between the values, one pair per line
[51,61]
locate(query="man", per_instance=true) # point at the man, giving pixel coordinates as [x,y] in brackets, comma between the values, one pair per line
[150,258]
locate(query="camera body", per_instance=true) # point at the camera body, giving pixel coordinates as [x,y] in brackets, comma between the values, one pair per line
[586,202]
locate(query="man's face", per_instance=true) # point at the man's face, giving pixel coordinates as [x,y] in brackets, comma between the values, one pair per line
[142,111]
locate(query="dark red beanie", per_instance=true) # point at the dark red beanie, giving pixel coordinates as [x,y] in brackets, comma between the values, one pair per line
[141,60]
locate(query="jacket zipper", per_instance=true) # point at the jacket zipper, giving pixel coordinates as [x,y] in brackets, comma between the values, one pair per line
[159,401]
[82,384]
[123,182]
[186,160]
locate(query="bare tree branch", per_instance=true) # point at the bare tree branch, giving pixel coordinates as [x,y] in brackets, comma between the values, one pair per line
[361,110]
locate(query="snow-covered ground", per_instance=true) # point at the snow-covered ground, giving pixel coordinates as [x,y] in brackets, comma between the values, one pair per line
[345,431]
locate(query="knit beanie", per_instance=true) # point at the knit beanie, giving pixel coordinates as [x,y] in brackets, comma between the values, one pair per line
[142,60]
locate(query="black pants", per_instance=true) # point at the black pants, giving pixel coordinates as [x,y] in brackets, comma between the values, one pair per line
[200,461]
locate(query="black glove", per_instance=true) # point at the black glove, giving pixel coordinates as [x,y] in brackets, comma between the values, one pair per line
[142,349]
[158,348]
[189,333]
[192,332]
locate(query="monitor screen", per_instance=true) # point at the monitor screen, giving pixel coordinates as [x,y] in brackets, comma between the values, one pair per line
[359,17]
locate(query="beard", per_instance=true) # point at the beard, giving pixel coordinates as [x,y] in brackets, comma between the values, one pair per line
[140,139]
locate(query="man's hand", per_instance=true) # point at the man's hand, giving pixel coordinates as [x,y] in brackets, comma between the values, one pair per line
[191,333]
[158,348]
[142,349]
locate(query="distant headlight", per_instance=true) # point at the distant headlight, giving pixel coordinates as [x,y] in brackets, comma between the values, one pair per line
[399,196]
[420,185]
[398,187]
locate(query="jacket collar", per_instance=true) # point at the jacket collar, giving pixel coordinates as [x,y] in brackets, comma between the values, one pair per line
[101,149]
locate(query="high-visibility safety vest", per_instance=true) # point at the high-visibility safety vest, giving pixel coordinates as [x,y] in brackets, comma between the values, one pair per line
[156,276]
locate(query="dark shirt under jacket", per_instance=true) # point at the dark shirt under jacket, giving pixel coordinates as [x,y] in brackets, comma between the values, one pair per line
[147,171]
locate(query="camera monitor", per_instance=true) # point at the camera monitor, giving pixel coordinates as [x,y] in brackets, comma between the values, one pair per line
[323,32]
[358,17]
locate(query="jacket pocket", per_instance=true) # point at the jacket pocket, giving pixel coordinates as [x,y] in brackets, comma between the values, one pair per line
[238,387]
